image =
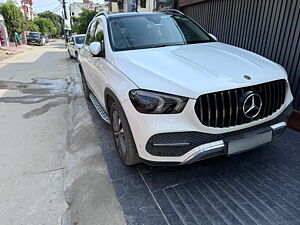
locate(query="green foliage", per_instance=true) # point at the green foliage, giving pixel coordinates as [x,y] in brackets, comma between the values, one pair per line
[84,20]
[32,27]
[56,20]
[45,26]
[13,17]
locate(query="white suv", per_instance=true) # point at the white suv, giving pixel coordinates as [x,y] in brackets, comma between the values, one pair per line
[174,95]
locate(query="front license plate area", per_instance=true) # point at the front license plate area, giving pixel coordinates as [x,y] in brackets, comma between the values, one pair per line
[248,142]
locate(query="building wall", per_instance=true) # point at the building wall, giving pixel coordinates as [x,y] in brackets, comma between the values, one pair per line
[76,7]
[268,27]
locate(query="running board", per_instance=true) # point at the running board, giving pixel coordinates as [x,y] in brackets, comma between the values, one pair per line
[99,108]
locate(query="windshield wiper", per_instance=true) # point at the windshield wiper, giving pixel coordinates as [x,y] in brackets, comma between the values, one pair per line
[163,45]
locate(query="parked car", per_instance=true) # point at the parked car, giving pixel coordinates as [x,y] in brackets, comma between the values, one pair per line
[174,95]
[75,43]
[35,38]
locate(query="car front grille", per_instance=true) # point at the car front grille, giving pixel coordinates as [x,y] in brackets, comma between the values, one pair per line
[224,108]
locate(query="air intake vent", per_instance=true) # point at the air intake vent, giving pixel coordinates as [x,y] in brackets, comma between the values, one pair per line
[225,108]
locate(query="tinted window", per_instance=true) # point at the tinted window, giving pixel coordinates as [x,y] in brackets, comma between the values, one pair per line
[156,30]
[79,39]
[36,35]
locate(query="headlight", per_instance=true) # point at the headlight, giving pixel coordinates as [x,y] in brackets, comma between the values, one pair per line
[156,103]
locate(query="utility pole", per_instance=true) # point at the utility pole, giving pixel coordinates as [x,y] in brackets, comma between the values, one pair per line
[65,18]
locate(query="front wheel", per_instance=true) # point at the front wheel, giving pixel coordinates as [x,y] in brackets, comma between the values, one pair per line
[123,138]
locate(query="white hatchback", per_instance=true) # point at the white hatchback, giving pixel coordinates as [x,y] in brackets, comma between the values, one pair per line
[174,95]
[75,43]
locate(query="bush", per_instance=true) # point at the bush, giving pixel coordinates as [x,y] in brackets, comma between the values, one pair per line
[32,27]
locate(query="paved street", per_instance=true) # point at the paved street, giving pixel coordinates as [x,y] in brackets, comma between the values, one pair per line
[41,172]
[58,164]
[33,128]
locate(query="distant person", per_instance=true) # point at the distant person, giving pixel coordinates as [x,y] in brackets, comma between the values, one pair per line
[17,37]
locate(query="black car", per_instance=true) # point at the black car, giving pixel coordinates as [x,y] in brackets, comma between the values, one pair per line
[35,38]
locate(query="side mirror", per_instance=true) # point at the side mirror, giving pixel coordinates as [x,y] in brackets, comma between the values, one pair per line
[95,48]
[72,43]
[213,37]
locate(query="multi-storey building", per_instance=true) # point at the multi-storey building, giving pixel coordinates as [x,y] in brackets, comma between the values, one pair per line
[26,6]
[76,8]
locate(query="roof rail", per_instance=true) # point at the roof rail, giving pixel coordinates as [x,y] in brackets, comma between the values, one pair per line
[171,10]
[104,13]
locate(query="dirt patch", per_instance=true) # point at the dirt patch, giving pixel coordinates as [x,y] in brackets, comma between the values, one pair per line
[7,53]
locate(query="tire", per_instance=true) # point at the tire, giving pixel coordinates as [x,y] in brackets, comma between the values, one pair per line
[71,57]
[76,55]
[85,87]
[122,135]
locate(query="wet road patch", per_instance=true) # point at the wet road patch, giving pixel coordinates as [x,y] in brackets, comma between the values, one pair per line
[36,91]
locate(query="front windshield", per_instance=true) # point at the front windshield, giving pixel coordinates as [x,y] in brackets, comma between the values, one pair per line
[36,35]
[79,39]
[155,30]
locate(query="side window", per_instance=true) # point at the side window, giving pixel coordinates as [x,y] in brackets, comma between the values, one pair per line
[72,39]
[90,36]
[99,36]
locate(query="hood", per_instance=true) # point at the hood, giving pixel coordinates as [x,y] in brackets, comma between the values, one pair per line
[192,70]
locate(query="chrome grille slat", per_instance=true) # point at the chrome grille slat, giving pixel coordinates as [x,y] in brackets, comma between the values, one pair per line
[216,105]
[230,109]
[237,107]
[208,110]
[201,110]
[224,108]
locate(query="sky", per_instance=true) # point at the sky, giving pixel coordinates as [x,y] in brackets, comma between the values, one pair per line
[52,5]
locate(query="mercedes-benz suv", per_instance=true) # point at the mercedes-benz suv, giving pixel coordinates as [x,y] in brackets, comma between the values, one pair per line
[173,94]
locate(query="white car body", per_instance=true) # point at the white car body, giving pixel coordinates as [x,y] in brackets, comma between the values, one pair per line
[185,70]
[73,46]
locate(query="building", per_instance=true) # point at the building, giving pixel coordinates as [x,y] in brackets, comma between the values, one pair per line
[132,5]
[270,28]
[76,8]
[26,6]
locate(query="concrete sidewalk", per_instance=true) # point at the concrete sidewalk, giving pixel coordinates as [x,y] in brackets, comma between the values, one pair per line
[34,130]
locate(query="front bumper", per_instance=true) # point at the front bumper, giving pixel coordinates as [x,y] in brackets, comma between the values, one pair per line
[182,139]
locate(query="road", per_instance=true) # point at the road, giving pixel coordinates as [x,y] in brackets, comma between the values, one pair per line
[47,175]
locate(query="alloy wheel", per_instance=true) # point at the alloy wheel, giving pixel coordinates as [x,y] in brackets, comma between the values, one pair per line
[119,135]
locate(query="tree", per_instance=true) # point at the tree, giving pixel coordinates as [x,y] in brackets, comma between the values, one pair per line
[84,20]
[56,20]
[14,19]
[32,27]
[45,26]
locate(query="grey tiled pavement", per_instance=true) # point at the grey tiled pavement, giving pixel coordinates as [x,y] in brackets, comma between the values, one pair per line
[257,187]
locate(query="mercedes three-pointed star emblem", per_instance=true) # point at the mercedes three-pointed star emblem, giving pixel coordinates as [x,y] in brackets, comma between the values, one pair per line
[252,105]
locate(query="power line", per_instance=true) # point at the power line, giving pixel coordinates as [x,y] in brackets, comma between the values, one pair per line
[40,6]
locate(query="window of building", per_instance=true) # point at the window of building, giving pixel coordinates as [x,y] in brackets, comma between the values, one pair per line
[143,3]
